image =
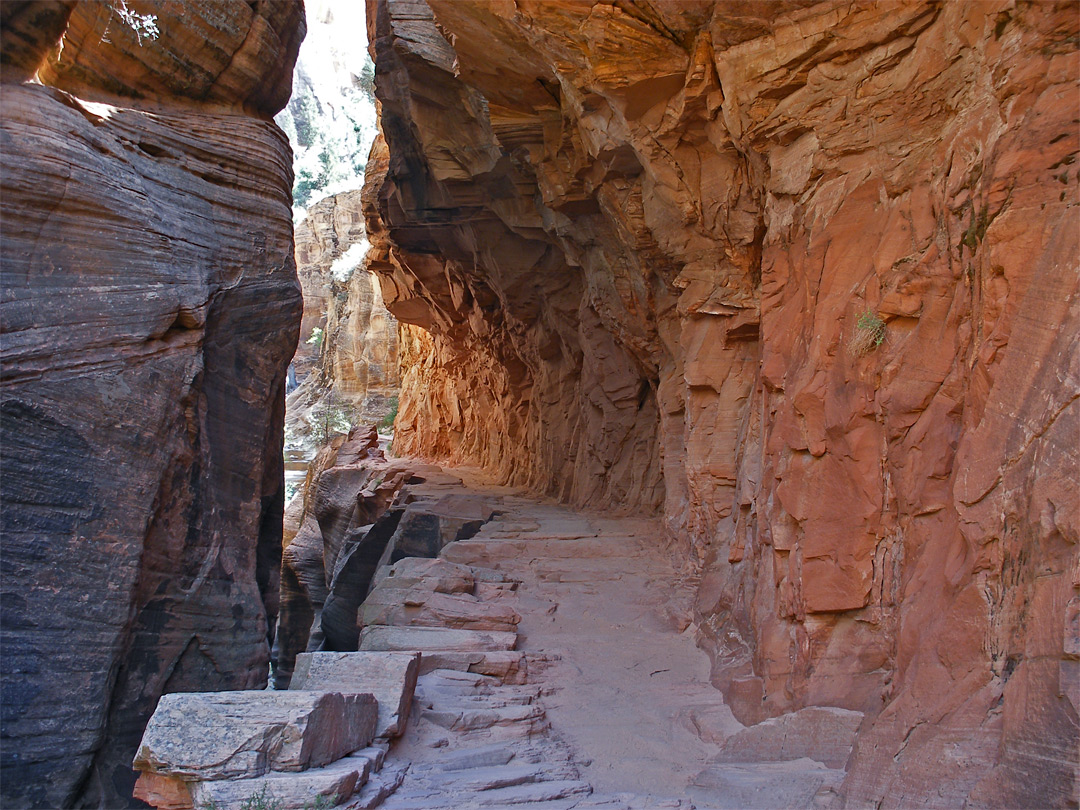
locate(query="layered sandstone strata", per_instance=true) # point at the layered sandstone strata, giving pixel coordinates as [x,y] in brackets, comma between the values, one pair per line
[349,341]
[801,275]
[150,307]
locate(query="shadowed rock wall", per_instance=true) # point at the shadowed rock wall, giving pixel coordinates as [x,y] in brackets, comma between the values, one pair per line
[150,307]
[804,276]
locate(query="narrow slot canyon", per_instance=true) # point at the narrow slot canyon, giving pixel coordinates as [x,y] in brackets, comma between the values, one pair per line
[677,405]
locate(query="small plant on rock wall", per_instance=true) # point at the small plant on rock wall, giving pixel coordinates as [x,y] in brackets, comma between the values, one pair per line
[329,418]
[264,801]
[868,335]
[387,423]
[144,25]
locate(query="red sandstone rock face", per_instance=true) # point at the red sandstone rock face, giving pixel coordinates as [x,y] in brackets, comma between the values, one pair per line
[644,240]
[149,310]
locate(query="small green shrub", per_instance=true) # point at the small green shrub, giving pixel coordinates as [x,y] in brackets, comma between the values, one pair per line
[387,422]
[868,335]
[332,416]
[264,801]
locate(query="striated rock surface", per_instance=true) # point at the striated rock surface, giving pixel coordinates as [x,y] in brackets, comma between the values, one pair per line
[803,278]
[347,357]
[149,309]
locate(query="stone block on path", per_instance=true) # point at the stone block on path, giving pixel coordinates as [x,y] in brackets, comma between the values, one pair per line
[206,736]
[420,607]
[389,676]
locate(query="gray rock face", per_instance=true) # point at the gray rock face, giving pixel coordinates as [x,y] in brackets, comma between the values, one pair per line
[149,309]
[226,735]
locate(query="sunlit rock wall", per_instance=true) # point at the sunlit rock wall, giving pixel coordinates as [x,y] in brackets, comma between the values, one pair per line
[802,275]
[150,307]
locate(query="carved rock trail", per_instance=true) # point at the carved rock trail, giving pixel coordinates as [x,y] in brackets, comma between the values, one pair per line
[558,668]
[616,709]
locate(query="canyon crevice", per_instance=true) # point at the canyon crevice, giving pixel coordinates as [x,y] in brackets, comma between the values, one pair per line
[150,308]
[803,280]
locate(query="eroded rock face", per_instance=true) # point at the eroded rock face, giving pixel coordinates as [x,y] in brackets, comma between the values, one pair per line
[804,280]
[150,306]
[349,341]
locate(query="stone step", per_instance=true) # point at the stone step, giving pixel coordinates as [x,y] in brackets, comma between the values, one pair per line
[433,574]
[442,695]
[483,756]
[506,665]
[534,792]
[511,554]
[408,639]
[420,607]
[468,719]
[389,676]
[494,777]
[335,782]
[541,795]
[210,736]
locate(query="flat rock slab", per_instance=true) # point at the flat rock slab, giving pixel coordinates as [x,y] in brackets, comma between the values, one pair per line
[206,736]
[419,607]
[824,734]
[389,676]
[507,665]
[381,637]
[286,791]
[430,573]
[801,783]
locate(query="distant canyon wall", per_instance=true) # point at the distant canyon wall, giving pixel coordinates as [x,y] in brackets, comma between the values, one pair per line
[150,308]
[802,277]
[354,349]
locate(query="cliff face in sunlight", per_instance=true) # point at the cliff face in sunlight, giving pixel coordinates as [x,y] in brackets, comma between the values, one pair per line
[150,307]
[805,281]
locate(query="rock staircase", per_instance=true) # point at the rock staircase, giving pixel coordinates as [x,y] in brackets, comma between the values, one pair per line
[539,661]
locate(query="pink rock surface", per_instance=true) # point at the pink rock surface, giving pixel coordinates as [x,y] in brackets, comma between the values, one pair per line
[641,245]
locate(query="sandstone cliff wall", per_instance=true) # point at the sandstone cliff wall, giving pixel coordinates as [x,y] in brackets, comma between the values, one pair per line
[356,352]
[803,276]
[150,307]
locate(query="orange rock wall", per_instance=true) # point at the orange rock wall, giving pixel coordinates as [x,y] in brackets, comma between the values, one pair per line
[638,240]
